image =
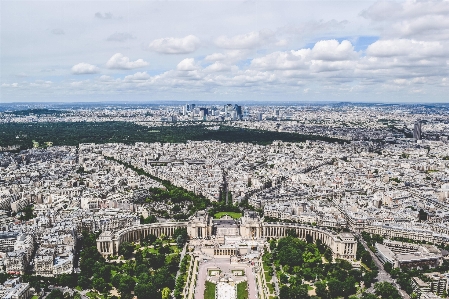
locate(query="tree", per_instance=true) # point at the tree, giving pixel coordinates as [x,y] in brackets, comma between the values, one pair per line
[83,281]
[328,255]
[145,291]
[149,239]
[126,249]
[335,288]
[56,294]
[422,215]
[284,292]
[388,267]
[165,293]
[100,285]
[126,284]
[386,290]
[284,278]
[368,278]
[369,296]
[149,219]
[321,290]
[299,292]
[291,233]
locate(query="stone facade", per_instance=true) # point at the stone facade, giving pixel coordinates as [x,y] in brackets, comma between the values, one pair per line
[249,227]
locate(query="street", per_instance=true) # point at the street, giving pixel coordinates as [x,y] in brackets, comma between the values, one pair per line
[383,275]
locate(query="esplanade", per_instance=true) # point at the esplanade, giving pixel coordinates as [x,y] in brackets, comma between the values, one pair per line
[248,227]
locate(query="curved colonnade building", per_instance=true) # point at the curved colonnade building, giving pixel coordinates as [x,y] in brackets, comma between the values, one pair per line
[249,227]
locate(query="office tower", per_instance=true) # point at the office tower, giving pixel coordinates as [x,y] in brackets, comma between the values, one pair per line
[238,109]
[417,133]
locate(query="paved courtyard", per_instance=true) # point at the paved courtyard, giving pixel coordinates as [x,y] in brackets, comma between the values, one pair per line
[225,266]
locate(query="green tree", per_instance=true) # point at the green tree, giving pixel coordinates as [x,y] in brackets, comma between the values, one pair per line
[386,290]
[126,249]
[145,291]
[369,296]
[126,284]
[335,288]
[328,255]
[388,267]
[321,290]
[165,293]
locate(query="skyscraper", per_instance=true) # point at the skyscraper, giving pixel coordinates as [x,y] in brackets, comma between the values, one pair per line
[417,133]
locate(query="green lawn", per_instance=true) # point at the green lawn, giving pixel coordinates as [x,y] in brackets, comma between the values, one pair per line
[242,292]
[270,288]
[209,291]
[232,214]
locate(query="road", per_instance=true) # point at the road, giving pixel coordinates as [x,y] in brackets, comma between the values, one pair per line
[383,275]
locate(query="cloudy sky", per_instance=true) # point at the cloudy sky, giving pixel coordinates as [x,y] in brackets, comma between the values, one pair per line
[382,51]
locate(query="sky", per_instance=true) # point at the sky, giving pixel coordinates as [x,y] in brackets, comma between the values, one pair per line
[237,51]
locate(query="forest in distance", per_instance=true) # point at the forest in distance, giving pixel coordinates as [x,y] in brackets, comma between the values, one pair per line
[27,135]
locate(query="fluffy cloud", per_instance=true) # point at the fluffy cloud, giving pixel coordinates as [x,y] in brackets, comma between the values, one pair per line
[407,48]
[250,40]
[187,64]
[118,61]
[280,61]
[332,50]
[230,56]
[426,20]
[219,67]
[137,76]
[84,68]
[120,37]
[326,55]
[171,45]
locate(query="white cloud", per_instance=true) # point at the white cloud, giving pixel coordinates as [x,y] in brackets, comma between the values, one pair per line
[326,55]
[250,40]
[84,68]
[332,50]
[425,20]
[406,48]
[280,61]
[230,56]
[118,61]
[219,67]
[10,85]
[137,76]
[172,45]
[187,64]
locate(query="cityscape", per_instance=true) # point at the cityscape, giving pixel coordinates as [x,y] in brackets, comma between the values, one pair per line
[210,149]
[224,201]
